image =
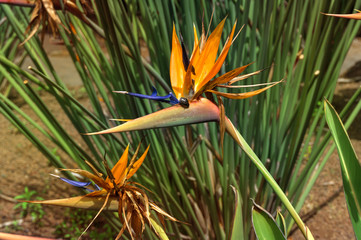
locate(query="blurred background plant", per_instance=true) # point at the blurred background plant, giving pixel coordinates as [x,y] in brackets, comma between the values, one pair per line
[291,39]
[77,220]
[35,210]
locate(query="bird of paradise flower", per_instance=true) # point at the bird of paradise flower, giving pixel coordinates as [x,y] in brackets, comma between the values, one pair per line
[190,79]
[116,193]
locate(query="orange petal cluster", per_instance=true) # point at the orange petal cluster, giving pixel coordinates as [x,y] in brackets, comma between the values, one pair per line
[117,194]
[204,65]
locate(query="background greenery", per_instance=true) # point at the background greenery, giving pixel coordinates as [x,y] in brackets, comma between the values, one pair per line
[284,126]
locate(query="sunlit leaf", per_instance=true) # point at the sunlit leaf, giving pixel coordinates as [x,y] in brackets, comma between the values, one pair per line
[350,166]
[159,230]
[264,224]
[280,220]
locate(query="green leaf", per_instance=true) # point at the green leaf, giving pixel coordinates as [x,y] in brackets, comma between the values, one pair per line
[264,224]
[248,150]
[159,230]
[350,166]
[237,224]
[280,220]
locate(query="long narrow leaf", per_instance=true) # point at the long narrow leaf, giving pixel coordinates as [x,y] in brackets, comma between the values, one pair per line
[350,166]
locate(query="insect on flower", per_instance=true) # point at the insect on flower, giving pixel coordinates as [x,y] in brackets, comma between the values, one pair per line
[116,193]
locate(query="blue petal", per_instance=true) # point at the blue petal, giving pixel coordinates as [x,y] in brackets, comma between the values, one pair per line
[154,96]
[173,99]
[76,183]
[154,93]
[80,184]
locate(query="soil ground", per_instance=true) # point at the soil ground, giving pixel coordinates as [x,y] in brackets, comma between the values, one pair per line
[325,211]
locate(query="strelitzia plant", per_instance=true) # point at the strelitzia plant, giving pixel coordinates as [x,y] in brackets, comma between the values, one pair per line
[281,124]
[190,79]
[116,193]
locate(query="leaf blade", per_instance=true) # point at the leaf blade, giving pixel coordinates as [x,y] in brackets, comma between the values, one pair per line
[264,224]
[350,166]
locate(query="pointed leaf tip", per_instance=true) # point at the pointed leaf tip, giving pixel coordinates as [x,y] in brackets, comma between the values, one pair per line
[264,224]
[356,16]
[84,202]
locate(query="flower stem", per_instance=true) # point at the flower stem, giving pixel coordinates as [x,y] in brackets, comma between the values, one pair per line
[248,150]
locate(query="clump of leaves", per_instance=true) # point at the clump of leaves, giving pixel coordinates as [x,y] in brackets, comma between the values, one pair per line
[35,210]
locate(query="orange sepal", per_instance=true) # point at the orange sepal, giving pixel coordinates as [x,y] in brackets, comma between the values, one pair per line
[187,85]
[208,56]
[226,77]
[196,47]
[118,170]
[196,42]
[242,95]
[137,164]
[217,66]
[99,193]
[176,69]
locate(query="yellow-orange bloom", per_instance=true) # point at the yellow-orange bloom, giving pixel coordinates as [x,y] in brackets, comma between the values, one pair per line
[195,77]
[116,194]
